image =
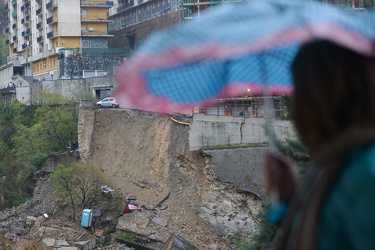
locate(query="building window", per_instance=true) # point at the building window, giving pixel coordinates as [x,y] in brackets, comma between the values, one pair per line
[84,12]
[86,44]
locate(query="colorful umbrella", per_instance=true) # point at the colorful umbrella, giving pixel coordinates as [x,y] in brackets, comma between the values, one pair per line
[233,48]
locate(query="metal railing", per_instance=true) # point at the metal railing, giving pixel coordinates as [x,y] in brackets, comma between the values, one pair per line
[94,32]
[51,4]
[95,19]
[50,34]
[99,3]
[52,19]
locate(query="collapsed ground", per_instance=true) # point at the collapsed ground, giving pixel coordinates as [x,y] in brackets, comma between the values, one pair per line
[146,156]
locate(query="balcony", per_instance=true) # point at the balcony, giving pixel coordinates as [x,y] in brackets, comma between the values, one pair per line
[14,2]
[125,6]
[39,26]
[50,35]
[7,41]
[14,38]
[6,7]
[14,26]
[22,20]
[92,32]
[6,19]
[14,14]
[39,39]
[97,3]
[15,50]
[52,20]
[51,5]
[27,19]
[26,45]
[7,30]
[95,19]
[38,11]
[26,33]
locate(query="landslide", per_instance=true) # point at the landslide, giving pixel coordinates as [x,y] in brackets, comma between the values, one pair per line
[146,155]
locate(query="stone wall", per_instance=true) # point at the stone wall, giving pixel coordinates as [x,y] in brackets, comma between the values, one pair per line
[75,89]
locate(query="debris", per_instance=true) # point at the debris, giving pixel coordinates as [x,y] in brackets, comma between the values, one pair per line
[131,205]
[162,208]
[143,184]
[164,199]
[160,221]
[176,242]
[98,232]
[30,221]
[105,189]
[248,191]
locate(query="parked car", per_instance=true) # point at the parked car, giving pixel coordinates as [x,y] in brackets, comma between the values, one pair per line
[107,102]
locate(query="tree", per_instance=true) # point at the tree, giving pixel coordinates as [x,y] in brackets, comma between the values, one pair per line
[79,184]
[28,134]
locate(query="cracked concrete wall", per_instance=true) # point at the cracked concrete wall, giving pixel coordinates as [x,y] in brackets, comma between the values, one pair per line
[210,131]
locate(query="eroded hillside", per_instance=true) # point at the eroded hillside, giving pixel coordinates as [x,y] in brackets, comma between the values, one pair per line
[146,155]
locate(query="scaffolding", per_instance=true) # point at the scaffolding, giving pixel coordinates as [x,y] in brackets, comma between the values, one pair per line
[192,8]
[248,106]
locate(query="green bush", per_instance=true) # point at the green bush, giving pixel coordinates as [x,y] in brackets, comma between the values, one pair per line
[38,159]
[127,236]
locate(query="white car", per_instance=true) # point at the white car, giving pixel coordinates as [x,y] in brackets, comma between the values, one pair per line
[108,102]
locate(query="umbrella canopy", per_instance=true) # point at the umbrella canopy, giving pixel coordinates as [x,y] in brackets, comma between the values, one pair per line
[233,48]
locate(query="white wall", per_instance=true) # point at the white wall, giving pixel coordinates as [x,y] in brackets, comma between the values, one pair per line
[69,17]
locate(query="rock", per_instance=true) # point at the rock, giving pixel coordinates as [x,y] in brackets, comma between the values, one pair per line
[160,221]
[86,245]
[138,223]
[30,221]
[49,242]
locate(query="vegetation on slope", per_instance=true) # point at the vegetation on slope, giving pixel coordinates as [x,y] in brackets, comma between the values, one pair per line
[28,134]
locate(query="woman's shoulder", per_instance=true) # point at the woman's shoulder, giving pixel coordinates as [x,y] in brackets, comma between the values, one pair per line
[361,163]
[350,205]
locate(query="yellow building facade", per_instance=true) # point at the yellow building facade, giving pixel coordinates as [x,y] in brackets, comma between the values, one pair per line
[38,29]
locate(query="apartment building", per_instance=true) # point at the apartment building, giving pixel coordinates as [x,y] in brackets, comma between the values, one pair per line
[356,4]
[134,20]
[38,29]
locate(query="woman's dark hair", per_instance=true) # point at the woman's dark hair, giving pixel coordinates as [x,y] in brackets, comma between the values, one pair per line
[334,112]
[334,91]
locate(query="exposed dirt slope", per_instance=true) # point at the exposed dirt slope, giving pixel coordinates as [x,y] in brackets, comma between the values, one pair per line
[146,155]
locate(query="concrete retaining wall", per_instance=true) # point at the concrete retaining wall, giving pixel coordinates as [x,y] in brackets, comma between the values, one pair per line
[243,167]
[76,89]
[212,131]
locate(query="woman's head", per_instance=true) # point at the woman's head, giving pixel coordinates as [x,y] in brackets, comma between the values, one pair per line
[334,91]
